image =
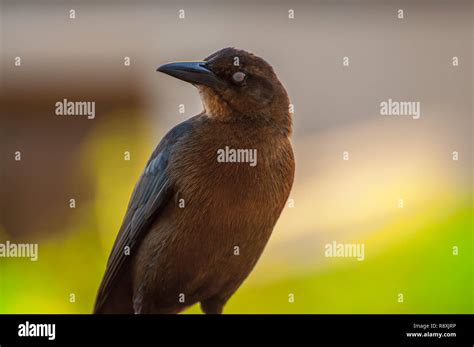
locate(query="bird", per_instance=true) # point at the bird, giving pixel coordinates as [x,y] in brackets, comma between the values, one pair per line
[196,226]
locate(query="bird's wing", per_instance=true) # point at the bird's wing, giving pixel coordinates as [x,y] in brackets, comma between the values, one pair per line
[150,196]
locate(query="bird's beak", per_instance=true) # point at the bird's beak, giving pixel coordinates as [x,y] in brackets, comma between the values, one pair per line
[194,72]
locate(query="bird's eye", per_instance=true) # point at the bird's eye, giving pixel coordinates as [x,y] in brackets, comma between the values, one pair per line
[238,76]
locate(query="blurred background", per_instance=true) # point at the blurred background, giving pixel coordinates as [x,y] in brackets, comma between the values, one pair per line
[408,250]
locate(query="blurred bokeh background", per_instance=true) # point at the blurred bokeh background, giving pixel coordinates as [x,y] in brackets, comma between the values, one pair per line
[408,250]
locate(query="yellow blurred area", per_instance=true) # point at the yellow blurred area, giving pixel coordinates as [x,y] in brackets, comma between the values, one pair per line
[103,159]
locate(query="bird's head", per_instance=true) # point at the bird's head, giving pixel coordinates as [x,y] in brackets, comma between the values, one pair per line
[235,84]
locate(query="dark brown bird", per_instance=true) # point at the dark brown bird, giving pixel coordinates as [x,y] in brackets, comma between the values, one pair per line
[210,195]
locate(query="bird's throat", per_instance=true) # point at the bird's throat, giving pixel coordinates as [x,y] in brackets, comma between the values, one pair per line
[214,105]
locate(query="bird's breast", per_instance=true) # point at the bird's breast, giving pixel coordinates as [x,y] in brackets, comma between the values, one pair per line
[235,177]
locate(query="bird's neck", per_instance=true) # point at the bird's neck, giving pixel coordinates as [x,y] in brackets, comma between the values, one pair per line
[214,106]
[277,117]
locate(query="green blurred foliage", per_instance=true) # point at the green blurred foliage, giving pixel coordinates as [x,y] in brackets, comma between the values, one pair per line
[423,268]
